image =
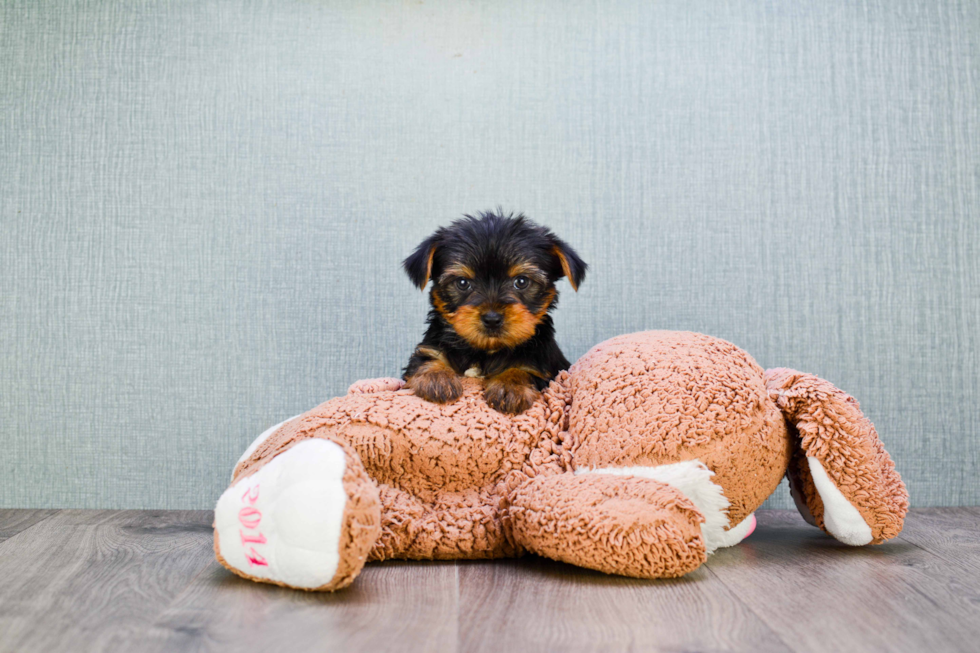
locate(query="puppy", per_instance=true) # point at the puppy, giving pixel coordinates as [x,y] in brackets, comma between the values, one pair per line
[493,289]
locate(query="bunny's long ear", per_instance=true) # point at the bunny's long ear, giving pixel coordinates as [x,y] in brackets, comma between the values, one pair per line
[572,266]
[840,475]
[418,265]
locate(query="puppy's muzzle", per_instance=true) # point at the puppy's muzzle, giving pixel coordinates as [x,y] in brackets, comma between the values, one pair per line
[492,320]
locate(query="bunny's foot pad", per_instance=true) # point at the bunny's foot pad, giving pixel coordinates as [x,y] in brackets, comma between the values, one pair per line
[306,519]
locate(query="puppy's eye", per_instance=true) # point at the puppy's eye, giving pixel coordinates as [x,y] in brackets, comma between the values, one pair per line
[463,284]
[521,282]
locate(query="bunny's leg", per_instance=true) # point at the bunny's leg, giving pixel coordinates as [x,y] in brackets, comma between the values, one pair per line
[301,511]
[623,525]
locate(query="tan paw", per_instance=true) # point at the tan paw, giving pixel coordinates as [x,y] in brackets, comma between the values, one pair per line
[510,392]
[436,384]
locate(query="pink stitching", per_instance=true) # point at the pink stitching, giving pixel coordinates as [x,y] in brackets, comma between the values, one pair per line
[249,517]
[256,559]
[252,539]
[251,494]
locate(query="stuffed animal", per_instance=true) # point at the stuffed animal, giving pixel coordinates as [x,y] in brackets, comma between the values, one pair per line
[651,452]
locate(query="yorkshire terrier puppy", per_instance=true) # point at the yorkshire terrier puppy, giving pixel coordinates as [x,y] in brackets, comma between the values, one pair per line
[493,289]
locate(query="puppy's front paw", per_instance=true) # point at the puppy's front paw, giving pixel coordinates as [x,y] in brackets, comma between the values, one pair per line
[437,385]
[510,392]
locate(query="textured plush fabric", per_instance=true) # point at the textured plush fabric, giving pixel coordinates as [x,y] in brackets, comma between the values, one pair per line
[832,429]
[693,479]
[703,397]
[442,470]
[462,480]
[203,207]
[629,526]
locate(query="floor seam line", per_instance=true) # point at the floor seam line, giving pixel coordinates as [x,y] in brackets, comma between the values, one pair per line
[939,556]
[40,521]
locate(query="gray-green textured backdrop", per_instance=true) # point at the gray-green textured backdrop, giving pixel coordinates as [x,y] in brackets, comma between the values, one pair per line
[204,206]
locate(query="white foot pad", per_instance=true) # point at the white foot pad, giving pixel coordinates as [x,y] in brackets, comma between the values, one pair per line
[283,522]
[842,519]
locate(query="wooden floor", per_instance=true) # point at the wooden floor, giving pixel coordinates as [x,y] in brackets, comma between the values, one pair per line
[74,580]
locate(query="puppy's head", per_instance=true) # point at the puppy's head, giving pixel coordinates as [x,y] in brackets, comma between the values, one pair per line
[494,276]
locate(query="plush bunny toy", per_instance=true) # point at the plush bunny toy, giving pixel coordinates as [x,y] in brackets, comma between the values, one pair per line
[651,452]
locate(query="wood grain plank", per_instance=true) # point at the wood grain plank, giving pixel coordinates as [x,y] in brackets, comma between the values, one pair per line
[392,606]
[533,604]
[821,595]
[96,580]
[953,534]
[13,521]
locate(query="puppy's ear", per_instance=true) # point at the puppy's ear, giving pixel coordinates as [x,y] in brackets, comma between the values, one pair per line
[418,265]
[572,266]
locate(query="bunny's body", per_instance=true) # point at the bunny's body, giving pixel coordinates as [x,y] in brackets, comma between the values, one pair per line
[650,452]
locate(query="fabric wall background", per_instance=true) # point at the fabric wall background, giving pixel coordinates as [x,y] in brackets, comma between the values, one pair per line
[204,206]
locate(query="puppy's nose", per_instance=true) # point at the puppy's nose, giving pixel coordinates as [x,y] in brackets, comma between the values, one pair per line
[492,319]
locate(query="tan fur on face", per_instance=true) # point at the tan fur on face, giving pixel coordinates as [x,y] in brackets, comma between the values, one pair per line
[519,323]
[458,270]
[527,270]
[440,305]
[546,304]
